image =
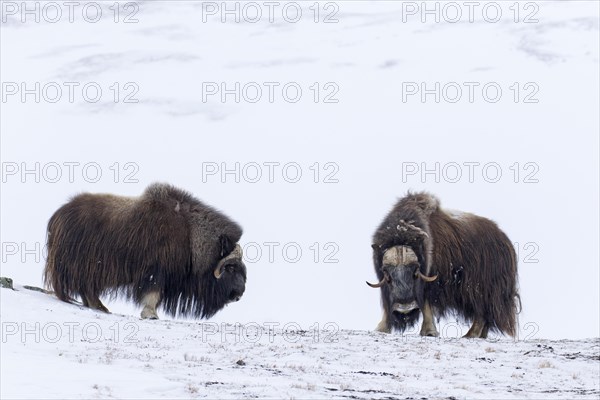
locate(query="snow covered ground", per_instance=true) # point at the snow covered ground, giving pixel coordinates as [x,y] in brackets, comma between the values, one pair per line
[52,349]
[357,134]
[354,155]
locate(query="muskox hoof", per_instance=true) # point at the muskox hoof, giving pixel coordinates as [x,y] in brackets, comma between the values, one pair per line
[103,309]
[479,330]
[149,314]
[471,337]
[383,327]
[429,332]
[98,306]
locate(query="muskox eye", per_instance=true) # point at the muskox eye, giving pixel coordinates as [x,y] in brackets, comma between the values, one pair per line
[230,268]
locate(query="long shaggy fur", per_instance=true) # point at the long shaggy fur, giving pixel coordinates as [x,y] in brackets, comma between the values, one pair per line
[165,240]
[474,260]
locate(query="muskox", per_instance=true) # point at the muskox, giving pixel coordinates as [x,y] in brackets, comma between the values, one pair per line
[438,262]
[164,248]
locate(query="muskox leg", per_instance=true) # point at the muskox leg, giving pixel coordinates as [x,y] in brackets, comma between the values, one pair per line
[428,327]
[477,329]
[92,301]
[84,300]
[83,295]
[484,331]
[150,302]
[383,325]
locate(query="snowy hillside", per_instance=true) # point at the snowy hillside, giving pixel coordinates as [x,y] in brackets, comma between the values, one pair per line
[380,98]
[354,155]
[54,350]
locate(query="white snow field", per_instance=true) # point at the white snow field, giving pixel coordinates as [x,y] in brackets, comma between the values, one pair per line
[360,136]
[52,349]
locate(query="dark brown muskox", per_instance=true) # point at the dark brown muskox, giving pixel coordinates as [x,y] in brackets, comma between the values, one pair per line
[442,262]
[163,248]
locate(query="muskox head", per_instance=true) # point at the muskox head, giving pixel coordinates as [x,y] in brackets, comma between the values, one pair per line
[230,274]
[401,285]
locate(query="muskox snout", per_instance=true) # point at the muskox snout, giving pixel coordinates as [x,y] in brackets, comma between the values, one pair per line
[400,310]
[235,295]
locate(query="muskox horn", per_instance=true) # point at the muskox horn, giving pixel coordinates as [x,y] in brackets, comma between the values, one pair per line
[426,278]
[235,254]
[376,285]
[380,283]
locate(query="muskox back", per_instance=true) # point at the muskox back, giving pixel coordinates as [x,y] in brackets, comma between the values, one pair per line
[165,241]
[473,260]
[476,266]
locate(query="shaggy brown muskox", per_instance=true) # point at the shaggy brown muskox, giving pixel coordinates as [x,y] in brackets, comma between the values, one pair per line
[444,262]
[163,248]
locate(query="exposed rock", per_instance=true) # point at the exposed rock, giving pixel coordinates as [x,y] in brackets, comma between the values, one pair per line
[6,283]
[35,288]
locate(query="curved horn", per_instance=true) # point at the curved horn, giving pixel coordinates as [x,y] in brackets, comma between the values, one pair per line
[425,277]
[235,254]
[379,284]
[376,285]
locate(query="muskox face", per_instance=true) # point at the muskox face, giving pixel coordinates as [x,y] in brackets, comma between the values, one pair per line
[401,288]
[230,274]
[400,266]
[233,280]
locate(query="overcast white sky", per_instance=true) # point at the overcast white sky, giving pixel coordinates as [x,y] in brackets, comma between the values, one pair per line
[518,107]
